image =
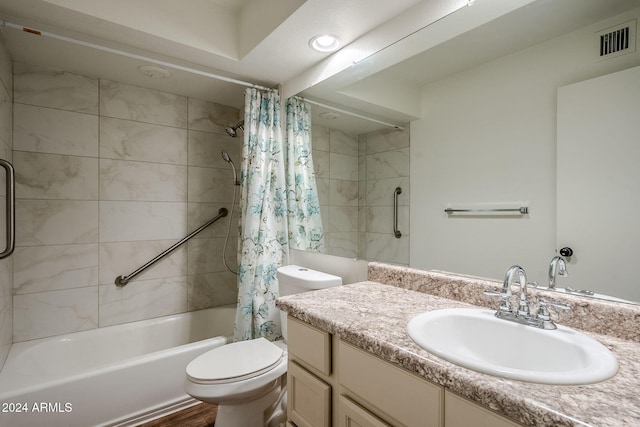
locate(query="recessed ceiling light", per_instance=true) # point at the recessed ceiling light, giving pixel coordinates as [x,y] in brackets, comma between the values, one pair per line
[325,43]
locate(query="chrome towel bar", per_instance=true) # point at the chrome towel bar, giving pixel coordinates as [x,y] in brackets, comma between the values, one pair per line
[523,210]
[10,208]
[123,280]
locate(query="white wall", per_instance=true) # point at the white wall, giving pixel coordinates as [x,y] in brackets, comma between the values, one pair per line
[488,135]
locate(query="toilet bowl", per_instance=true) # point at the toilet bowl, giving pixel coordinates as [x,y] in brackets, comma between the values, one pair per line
[247,379]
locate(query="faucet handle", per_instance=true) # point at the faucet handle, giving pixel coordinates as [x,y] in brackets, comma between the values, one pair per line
[505,304]
[543,311]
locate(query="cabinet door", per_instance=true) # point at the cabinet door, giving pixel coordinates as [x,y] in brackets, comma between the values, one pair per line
[352,415]
[459,412]
[309,398]
[392,393]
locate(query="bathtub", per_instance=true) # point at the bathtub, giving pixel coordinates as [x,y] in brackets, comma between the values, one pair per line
[114,376]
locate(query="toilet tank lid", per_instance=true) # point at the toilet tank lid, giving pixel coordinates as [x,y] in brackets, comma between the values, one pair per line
[308,278]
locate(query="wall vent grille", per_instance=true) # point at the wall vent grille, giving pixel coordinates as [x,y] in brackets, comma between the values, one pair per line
[617,40]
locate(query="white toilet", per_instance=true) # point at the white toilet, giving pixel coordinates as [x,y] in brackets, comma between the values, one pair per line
[247,379]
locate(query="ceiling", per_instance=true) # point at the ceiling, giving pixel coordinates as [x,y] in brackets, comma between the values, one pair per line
[250,40]
[391,48]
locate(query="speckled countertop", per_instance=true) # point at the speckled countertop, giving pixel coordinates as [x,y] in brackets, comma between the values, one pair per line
[373,316]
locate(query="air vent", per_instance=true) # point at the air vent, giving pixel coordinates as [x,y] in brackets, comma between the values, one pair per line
[617,40]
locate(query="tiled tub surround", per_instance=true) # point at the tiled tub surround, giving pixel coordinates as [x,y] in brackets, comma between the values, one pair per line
[356,178]
[373,316]
[108,176]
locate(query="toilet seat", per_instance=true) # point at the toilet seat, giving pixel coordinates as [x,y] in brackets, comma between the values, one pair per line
[234,362]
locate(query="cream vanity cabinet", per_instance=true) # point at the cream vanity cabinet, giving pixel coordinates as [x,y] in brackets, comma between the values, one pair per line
[333,383]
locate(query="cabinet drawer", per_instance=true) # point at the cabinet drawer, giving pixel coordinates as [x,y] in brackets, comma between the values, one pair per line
[460,412]
[311,346]
[392,393]
[352,415]
[309,398]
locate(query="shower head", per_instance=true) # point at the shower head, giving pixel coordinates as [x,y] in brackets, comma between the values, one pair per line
[226,158]
[233,130]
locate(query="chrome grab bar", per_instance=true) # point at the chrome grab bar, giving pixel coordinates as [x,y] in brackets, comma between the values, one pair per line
[123,280]
[396,232]
[11,209]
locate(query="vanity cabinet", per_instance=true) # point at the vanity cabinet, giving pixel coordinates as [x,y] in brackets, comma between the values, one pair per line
[333,383]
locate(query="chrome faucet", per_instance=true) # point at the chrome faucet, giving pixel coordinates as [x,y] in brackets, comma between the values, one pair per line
[523,315]
[557,267]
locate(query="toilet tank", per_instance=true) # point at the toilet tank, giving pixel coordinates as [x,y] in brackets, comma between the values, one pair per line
[293,279]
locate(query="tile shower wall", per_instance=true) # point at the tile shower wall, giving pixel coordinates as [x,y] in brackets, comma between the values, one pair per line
[384,165]
[6,144]
[356,178]
[335,159]
[108,176]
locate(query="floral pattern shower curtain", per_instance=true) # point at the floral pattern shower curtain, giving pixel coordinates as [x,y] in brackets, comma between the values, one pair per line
[263,221]
[305,222]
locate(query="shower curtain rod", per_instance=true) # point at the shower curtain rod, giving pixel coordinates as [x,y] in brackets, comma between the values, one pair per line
[350,113]
[130,55]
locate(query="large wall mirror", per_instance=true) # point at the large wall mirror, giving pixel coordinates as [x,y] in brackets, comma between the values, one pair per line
[479,107]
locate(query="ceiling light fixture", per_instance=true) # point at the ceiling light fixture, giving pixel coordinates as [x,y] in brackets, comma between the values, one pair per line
[325,43]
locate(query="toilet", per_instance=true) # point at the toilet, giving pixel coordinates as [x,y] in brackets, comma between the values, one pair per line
[247,379]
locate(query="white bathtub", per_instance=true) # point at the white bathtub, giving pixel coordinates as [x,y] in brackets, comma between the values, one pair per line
[117,375]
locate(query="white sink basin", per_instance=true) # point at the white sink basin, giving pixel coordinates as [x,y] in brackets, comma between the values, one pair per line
[476,339]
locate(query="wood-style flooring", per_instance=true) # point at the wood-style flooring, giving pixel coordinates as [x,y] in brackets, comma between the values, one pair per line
[200,415]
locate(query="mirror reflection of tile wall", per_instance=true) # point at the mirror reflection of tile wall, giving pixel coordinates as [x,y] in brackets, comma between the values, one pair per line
[357,176]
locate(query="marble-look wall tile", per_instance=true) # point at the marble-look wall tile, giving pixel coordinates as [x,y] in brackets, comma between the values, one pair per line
[324,190]
[212,290]
[386,248]
[128,140]
[131,221]
[56,89]
[386,140]
[210,185]
[142,300]
[205,255]
[48,130]
[122,258]
[142,181]
[379,219]
[320,138]
[390,164]
[55,267]
[201,213]
[44,314]
[343,193]
[342,166]
[343,218]
[56,222]
[342,143]
[122,101]
[6,118]
[379,192]
[342,244]
[53,176]
[320,163]
[211,117]
[6,137]
[6,67]
[205,149]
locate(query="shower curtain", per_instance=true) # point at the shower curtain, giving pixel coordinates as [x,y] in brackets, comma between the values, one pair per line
[305,222]
[263,218]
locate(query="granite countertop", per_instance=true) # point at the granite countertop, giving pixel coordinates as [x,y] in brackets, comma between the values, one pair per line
[373,317]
